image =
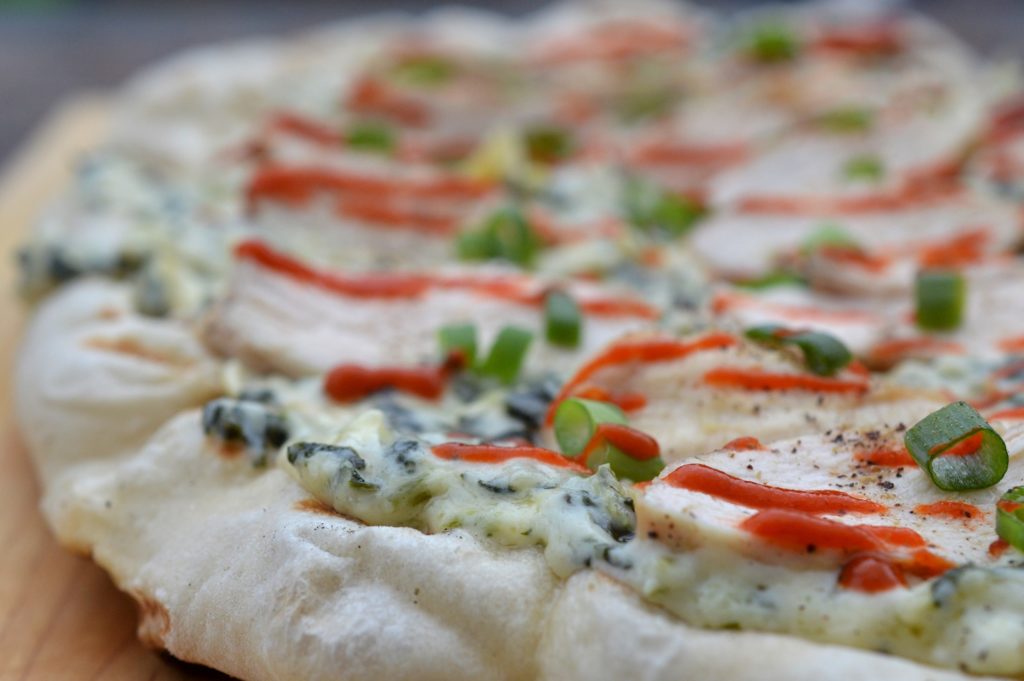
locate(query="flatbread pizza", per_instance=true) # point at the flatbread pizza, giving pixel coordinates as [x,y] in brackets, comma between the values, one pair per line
[609,342]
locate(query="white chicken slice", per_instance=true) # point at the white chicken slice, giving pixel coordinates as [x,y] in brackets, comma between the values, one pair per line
[282,315]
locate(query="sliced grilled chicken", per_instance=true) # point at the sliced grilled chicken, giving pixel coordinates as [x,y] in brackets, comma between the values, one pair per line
[698,393]
[283,315]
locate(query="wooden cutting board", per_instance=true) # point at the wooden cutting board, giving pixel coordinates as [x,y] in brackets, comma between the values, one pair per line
[60,616]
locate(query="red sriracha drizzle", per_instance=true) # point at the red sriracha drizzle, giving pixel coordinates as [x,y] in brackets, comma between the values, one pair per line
[363,286]
[457,451]
[632,442]
[743,444]
[1008,506]
[352,382]
[1013,413]
[805,533]
[802,532]
[998,548]
[297,184]
[966,447]
[871,574]
[891,458]
[874,39]
[707,480]
[959,510]
[515,289]
[788,519]
[625,401]
[308,129]
[372,96]
[755,379]
[641,351]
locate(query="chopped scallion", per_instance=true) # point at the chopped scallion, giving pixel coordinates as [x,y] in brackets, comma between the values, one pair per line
[867,167]
[654,210]
[426,70]
[828,236]
[772,43]
[370,136]
[563,320]
[506,235]
[940,299]
[824,354]
[1010,518]
[645,103]
[576,419]
[459,338]
[772,279]
[847,120]
[958,449]
[547,143]
[626,467]
[507,354]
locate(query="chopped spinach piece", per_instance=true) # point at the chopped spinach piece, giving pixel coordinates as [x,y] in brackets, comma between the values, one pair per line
[257,427]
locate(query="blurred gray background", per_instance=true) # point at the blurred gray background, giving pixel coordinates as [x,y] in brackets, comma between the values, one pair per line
[50,48]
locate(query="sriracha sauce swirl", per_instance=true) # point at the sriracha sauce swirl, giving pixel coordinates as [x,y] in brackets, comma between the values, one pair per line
[633,443]
[700,478]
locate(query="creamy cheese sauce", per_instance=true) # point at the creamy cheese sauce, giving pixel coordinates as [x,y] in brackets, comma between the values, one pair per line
[380,478]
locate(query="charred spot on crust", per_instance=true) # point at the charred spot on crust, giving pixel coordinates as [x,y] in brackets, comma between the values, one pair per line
[154,620]
[315,506]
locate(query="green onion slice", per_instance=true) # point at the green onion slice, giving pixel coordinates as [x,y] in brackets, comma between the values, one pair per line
[1010,518]
[459,338]
[625,466]
[474,245]
[828,236]
[651,209]
[940,299]
[426,70]
[647,102]
[577,418]
[563,320]
[506,235]
[847,120]
[772,43]
[370,136]
[772,279]
[824,354]
[867,167]
[958,449]
[516,240]
[507,354]
[547,143]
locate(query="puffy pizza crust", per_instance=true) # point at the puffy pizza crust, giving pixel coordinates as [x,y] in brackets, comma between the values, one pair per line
[238,568]
[94,379]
